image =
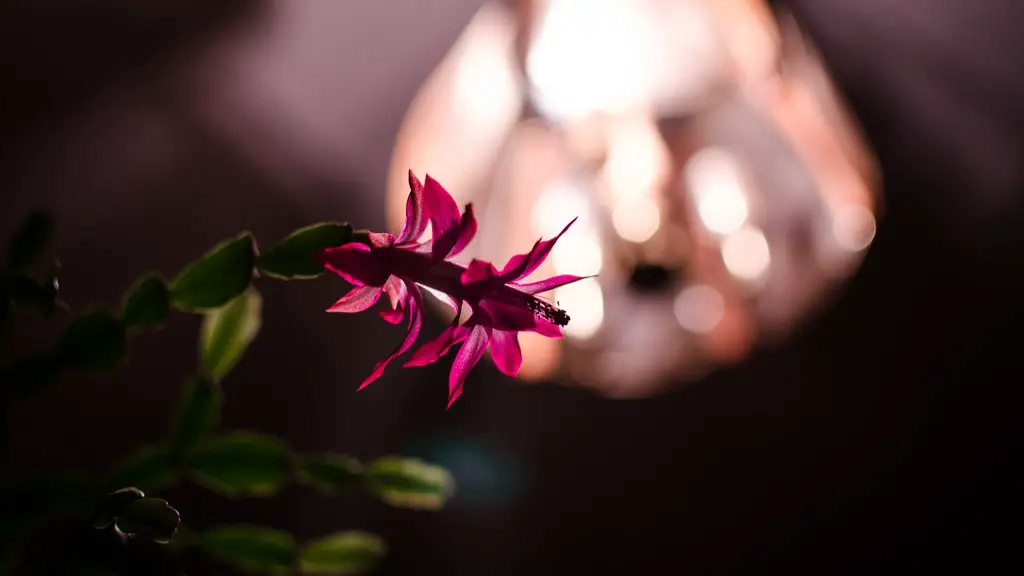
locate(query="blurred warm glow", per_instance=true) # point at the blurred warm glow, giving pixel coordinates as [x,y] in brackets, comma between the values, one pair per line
[714,178]
[746,254]
[579,249]
[636,159]
[556,206]
[720,187]
[589,56]
[636,220]
[699,308]
[584,302]
[854,227]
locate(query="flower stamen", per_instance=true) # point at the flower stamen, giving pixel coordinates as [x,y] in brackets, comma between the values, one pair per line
[547,311]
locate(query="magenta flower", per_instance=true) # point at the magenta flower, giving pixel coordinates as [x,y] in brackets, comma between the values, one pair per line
[500,304]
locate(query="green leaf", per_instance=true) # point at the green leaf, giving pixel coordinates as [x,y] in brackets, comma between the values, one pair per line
[95,340]
[27,376]
[227,332]
[113,504]
[409,483]
[197,415]
[329,473]
[293,258]
[252,548]
[241,464]
[152,468]
[351,552]
[151,518]
[218,276]
[147,303]
[33,239]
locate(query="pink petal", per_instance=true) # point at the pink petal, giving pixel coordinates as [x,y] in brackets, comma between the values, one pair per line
[435,349]
[396,292]
[520,265]
[547,328]
[470,353]
[415,306]
[440,208]
[478,270]
[358,299]
[467,231]
[505,351]
[504,316]
[392,316]
[548,283]
[415,219]
[455,238]
[356,263]
[381,239]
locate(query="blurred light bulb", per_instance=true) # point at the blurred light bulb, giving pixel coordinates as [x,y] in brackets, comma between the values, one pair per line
[636,161]
[746,254]
[854,227]
[699,308]
[577,254]
[636,220]
[584,302]
[714,178]
[588,56]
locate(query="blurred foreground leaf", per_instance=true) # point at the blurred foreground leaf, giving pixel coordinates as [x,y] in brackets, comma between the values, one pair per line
[147,303]
[329,473]
[218,276]
[294,258]
[197,414]
[252,548]
[95,340]
[150,518]
[343,553]
[227,332]
[409,483]
[241,464]
[151,468]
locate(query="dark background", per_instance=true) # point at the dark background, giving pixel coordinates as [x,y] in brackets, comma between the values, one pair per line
[879,439]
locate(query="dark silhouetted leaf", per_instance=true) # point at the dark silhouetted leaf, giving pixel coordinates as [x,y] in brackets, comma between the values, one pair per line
[151,468]
[95,340]
[343,553]
[112,505]
[251,548]
[329,473]
[27,376]
[33,239]
[294,258]
[184,538]
[227,332]
[147,303]
[218,276]
[150,518]
[241,464]
[26,292]
[197,415]
[409,483]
